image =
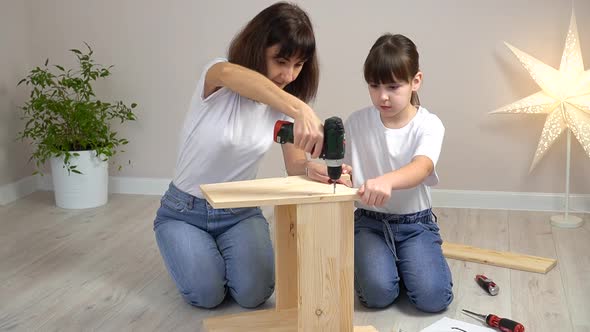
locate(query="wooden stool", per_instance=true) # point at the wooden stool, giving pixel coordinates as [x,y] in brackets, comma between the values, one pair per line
[314,254]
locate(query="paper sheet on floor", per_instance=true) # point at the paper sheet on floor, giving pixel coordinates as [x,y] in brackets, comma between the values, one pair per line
[447,324]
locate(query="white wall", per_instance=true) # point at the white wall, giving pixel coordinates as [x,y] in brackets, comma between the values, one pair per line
[15,43]
[158,49]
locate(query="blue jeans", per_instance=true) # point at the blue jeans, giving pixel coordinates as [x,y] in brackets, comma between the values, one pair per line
[389,248]
[209,252]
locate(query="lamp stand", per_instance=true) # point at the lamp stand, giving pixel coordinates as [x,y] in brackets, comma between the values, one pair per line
[566,220]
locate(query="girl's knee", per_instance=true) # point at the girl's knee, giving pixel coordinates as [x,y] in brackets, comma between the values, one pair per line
[433,299]
[377,295]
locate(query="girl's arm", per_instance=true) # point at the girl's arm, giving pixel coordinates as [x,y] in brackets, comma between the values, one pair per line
[308,129]
[377,191]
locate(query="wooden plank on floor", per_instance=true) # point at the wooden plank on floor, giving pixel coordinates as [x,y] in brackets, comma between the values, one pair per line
[498,258]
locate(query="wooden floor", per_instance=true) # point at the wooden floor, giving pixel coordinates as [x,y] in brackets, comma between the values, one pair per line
[100,269]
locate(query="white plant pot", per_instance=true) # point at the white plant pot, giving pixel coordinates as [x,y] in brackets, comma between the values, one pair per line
[80,191]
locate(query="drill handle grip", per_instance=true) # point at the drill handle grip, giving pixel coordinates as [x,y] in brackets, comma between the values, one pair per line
[283,132]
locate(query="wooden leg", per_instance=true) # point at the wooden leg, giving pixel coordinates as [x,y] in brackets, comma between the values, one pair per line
[286,256]
[325,244]
[314,259]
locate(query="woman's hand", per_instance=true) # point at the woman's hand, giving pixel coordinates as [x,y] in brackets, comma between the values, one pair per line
[319,172]
[375,192]
[308,131]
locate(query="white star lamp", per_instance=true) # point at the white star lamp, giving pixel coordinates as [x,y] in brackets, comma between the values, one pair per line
[565,97]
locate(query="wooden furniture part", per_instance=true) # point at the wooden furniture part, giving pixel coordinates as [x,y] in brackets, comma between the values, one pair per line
[498,258]
[314,239]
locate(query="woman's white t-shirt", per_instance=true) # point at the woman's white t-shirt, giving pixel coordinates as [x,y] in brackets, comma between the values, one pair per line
[223,139]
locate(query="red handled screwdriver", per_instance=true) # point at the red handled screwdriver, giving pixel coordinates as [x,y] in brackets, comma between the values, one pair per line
[504,324]
[487,284]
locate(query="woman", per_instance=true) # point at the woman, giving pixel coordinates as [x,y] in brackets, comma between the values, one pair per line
[270,74]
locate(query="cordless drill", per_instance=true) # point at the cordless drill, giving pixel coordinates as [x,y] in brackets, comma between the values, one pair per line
[333,149]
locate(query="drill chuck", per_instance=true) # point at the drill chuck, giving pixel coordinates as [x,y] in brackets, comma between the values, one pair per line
[334,169]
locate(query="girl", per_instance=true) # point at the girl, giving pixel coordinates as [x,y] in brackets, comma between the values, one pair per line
[393,147]
[269,75]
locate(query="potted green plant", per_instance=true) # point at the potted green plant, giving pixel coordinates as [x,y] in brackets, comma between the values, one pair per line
[69,126]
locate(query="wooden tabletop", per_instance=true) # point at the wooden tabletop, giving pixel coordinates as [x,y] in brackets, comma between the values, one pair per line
[274,191]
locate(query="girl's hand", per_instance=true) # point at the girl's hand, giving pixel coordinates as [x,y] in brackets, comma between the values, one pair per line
[346,180]
[375,192]
[308,132]
[319,172]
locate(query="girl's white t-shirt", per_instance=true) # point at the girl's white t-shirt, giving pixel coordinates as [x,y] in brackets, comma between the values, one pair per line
[373,150]
[223,139]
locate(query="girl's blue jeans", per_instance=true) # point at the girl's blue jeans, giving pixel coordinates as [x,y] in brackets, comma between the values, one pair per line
[390,248]
[209,252]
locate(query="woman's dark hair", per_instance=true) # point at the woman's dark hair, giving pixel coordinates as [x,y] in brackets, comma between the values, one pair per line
[393,59]
[289,26]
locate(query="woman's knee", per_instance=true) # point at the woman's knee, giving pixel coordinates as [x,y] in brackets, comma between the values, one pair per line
[249,262]
[253,293]
[204,294]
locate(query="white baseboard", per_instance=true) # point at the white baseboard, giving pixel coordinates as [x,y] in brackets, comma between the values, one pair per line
[12,191]
[440,197]
[504,200]
[123,185]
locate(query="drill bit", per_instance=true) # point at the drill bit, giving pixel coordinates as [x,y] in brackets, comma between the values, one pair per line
[334,187]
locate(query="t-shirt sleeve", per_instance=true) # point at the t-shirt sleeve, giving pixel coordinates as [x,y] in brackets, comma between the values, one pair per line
[431,139]
[280,116]
[285,117]
[198,95]
[347,143]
